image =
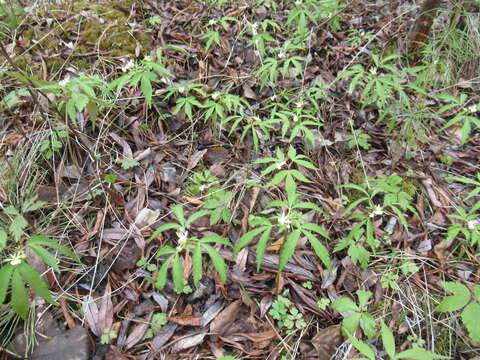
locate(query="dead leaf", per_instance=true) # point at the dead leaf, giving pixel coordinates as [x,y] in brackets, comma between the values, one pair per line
[195,158]
[225,319]
[138,332]
[326,341]
[188,342]
[186,320]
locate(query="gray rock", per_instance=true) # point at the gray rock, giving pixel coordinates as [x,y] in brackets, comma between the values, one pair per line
[73,344]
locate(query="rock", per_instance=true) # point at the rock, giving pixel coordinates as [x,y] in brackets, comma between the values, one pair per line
[73,344]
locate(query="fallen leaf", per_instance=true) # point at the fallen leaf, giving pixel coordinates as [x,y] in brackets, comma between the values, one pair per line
[326,341]
[225,319]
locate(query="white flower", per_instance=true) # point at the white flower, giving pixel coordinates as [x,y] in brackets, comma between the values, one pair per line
[130,64]
[283,220]
[473,223]
[373,70]
[182,237]
[280,164]
[472,109]
[377,210]
[63,82]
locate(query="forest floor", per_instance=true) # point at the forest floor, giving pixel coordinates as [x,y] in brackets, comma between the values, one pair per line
[220,179]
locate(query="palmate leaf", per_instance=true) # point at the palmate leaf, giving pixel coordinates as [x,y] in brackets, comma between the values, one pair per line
[217,261]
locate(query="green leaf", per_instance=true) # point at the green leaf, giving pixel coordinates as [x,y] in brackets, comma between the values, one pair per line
[218,262]
[46,256]
[345,304]
[178,211]
[5,276]
[470,320]
[3,239]
[146,87]
[388,340]
[163,228]
[34,280]
[162,274]
[320,250]
[362,347]
[197,215]
[53,244]
[454,302]
[17,226]
[316,228]
[367,322]
[197,264]
[419,354]
[247,238]
[350,323]
[128,163]
[262,247]
[20,303]
[177,273]
[288,248]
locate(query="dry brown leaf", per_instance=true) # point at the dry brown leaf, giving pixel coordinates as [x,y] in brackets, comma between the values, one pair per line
[225,319]
[188,342]
[186,320]
[326,341]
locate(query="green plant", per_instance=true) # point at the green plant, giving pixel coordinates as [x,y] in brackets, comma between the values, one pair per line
[287,315]
[187,244]
[15,272]
[211,37]
[298,120]
[201,181]
[462,114]
[380,196]
[107,336]
[217,204]
[227,357]
[258,128]
[356,315]
[358,138]
[288,222]
[53,143]
[381,82]
[388,341]
[323,303]
[280,161]
[463,299]
[469,225]
[268,71]
[142,74]
[156,325]
[219,104]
